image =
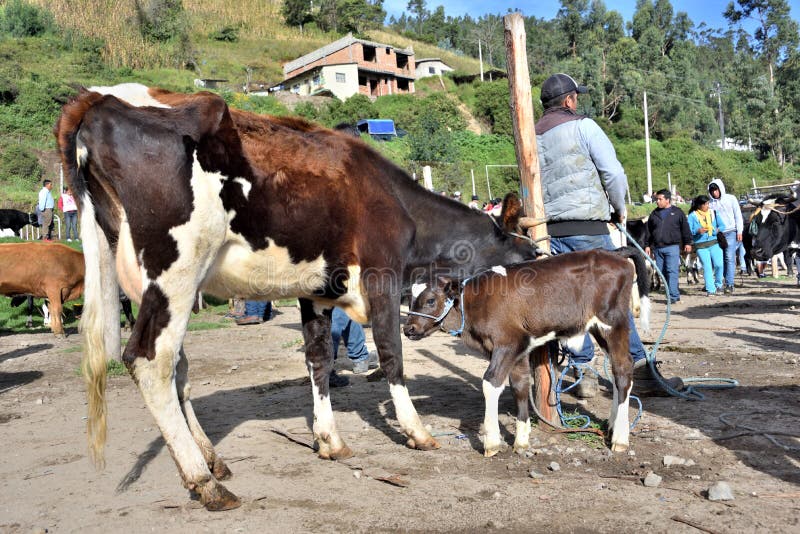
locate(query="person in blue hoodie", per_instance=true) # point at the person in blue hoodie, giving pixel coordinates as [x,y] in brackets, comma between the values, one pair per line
[705,227]
[726,206]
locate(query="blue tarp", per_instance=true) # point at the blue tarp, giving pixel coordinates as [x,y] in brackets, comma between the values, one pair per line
[377,127]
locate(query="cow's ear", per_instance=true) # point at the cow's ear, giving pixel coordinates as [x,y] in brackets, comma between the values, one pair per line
[512,211]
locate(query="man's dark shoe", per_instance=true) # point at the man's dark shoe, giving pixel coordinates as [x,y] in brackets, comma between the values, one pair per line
[645,383]
[587,387]
[371,362]
[338,381]
[249,319]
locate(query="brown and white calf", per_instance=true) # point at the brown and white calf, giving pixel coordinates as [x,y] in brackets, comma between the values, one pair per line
[508,311]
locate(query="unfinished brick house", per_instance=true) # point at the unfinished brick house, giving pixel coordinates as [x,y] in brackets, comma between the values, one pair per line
[351,66]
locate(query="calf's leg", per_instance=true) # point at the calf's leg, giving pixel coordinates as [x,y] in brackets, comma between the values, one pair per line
[503,359]
[615,343]
[521,384]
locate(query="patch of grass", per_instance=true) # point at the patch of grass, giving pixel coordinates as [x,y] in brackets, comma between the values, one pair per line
[289,344]
[205,325]
[684,350]
[70,350]
[283,303]
[113,368]
[592,440]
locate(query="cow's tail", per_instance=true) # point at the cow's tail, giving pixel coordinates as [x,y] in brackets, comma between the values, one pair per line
[642,283]
[96,317]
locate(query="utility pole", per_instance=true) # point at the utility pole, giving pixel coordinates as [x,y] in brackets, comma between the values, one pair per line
[718,93]
[647,149]
[480,57]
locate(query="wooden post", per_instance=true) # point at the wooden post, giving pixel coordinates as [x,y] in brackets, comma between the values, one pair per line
[519,83]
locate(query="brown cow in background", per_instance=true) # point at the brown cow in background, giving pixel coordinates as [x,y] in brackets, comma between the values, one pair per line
[48,270]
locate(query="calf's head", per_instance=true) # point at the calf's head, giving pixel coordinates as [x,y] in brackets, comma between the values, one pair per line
[430,304]
[770,231]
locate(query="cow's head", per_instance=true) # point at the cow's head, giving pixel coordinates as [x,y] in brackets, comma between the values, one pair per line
[33,219]
[430,304]
[770,229]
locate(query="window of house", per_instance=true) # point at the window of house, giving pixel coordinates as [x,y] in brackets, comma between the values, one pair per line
[402,85]
[316,80]
[369,54]
[340,78]
[431,70]
[296,88]
[402,61]
[362,80]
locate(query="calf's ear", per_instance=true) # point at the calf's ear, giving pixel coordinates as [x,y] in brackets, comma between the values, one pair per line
[447,284]
[512,211]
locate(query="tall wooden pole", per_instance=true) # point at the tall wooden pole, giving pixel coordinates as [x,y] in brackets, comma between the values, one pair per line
[647,149]
[530,179]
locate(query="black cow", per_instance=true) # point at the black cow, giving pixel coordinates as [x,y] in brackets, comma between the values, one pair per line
[16,220]
[775,229]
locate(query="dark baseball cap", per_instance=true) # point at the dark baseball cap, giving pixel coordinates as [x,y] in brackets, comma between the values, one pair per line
[560,84]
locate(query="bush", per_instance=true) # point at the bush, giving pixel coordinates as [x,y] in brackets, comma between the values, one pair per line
[228,34]
[21,19]
[18,164]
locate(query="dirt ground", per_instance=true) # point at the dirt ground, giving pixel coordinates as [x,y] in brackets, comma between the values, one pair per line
[249,380]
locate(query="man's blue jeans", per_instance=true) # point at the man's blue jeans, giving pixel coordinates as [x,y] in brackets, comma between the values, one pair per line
[730,257]
[258,308]
[562,245]
[342,327]
[668,260]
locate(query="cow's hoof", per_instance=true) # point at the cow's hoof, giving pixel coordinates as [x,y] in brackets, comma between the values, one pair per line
[220,470]
[488,453]
[520,449]
[619,447]
[328,453]
[424,444]
[216,498]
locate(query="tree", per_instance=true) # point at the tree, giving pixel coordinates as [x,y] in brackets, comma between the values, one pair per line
[21,19]
[296,12]
[418,8]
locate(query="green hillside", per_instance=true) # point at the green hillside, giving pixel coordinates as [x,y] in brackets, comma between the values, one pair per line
[50,47]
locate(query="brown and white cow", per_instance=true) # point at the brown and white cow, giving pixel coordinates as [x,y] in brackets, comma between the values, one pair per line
[508,311]
[179,193]
[50,270]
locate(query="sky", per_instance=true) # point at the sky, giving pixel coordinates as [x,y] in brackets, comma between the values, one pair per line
[708,11]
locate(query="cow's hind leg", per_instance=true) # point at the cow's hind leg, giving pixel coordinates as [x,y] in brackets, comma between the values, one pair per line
[151,355]
[214,461]
[615,343]
[521,384]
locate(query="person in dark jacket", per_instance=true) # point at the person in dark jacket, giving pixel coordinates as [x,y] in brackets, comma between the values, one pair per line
[668,231]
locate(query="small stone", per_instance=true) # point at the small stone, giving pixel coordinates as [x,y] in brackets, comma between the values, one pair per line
[720,491]
[669,461]
[553,466]
[693,477]
[652,480]
[631,452]
[234,367]
[357,474]
[689,463]
[528,454]
[40,400]
[497,495]
[535,474]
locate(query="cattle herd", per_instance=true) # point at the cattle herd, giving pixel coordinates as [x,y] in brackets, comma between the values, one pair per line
[261,207]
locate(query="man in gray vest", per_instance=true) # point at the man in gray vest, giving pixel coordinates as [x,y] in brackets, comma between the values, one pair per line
[583,185]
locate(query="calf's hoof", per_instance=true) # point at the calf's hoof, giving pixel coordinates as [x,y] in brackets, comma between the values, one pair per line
[426,443]
[220,470]
[520,449]
[619,447]
[216,498]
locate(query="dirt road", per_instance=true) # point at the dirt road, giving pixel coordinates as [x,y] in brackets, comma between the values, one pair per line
[248,380]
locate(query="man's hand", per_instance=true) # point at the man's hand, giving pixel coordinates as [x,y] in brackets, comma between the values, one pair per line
[687,248]
[739,237]
[647,250]
[618,217]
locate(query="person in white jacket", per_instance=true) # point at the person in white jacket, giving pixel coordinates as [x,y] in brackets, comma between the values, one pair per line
[729,213]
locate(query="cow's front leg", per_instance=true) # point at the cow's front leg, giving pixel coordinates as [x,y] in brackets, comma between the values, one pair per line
[385,317]
[319,360]
[521,384]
